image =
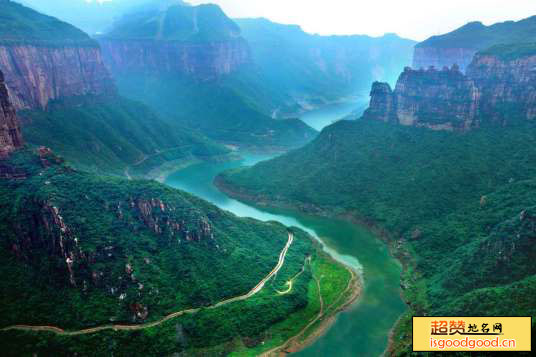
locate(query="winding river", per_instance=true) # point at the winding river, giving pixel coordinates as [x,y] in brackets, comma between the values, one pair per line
[362,330]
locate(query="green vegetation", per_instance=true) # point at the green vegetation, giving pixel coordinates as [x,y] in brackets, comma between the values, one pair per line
[218,111]
[142,246]
[460,208]
[478,36]
[107,135]
[203,23]
[22,25]
[511,51]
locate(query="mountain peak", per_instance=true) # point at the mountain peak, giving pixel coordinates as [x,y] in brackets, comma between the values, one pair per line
[176,21]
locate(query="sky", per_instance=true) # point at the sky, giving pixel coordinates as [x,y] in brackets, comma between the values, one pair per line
[414,19]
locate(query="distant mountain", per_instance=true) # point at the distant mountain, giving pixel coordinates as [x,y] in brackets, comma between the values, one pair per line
[189,64]
[199,41]
[459,46]
[203,23]
[298,69]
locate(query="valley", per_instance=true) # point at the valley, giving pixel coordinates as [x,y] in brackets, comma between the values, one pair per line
[190,179]
[380,304]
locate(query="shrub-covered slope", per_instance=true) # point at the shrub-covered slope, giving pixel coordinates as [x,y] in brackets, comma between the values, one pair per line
[107,136]
[83,251]
[219,112]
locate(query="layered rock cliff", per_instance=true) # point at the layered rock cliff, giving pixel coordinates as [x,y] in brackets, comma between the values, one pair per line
[424,57]
[198,41]
[507,82]
[10,135]
[460,46]
[44,59]
[38,74]
[202,61]
[439,100]
[499,88]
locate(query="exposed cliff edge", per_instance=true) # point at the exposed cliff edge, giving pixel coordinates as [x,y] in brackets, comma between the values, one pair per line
[460,46]
[500,87]
[198,41]
[206,61]
[10,135]
[44,59]
[38,74]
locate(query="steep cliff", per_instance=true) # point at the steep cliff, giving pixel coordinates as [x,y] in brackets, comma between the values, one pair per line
[38,74]
[10,135]
[439,100]
[506,78]
[197,41]
[459,46]
[499,88]
[206,61]
[425,57]
[44,59]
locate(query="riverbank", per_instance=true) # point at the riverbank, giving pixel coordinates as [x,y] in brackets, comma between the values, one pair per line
[327,298]
[324,320]
[396,247]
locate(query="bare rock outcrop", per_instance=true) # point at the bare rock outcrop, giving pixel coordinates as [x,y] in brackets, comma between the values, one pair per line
[499,88]
[10,134]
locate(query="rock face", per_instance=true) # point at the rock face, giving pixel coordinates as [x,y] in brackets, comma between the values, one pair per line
[439,100]
[507,86]
[198,41]
[203,61]
[424,57]
[496,89]
[37,74]
[10,135]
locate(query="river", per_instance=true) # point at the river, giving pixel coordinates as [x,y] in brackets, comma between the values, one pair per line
[362,330]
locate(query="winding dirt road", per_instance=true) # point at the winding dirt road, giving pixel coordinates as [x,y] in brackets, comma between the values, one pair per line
[252,292]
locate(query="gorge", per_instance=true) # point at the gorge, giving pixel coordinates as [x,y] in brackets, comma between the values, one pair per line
[184,183]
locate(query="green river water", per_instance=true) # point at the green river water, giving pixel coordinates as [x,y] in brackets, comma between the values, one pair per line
[362,330]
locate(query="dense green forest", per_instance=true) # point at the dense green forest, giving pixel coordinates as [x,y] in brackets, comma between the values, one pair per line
[84,250]
[107,135]
[457,209]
